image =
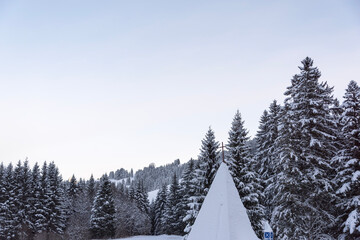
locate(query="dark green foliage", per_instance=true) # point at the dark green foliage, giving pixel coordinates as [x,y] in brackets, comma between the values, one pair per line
[209,161]
[160,208]
[140,196]
[304,191]
[91,188]
[265,157]
[189,190]
[55,205]
[175,209]
[246,180]
[347,161]
[103,211]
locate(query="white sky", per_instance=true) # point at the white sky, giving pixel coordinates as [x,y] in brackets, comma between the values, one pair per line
[100,85]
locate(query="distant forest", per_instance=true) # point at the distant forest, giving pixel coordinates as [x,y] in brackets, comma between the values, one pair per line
[301,173]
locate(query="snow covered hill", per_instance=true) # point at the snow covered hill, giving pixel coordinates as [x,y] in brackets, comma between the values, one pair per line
[121,181]
[152,195]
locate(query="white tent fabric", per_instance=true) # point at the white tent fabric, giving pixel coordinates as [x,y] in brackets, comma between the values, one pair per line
[222,215]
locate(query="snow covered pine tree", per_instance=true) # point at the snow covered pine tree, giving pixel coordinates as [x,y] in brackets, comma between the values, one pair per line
[348,162]
[265,155]
[304,149]
[208,163]
[246,180]
[103,212]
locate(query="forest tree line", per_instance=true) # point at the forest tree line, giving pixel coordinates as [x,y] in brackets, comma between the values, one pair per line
[302,176]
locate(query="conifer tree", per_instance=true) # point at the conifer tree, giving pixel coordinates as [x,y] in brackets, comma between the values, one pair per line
[42,212]
[18,207]
[160,208]
[8,213]
[91,188]
[73,188]
[246,180]
[71,201]
[55,205]
[265,157]
[23,192]
[192,194]
[141,198]
[36,214]
[348,162]
[209,161]
[304,149]
[103,212]
[2,200]
[188,187]
[207,165]
[174,209]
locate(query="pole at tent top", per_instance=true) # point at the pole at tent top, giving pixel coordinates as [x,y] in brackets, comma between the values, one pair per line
[223,155]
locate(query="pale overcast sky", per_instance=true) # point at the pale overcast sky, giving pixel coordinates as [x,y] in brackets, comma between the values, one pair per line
[100,85]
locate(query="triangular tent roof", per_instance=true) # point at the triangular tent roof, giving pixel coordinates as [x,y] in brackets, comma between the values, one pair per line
[222,215]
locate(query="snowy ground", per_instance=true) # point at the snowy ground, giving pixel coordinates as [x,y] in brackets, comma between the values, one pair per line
[161,237]
[120,181]
[152,195]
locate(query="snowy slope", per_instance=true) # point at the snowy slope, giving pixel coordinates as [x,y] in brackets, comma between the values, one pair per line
[222,215]
[161,237]
[152,195]
[120,181]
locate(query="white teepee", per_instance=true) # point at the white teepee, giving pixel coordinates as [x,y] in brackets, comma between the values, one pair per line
[222,215]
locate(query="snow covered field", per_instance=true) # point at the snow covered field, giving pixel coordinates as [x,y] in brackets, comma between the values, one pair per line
[161,237]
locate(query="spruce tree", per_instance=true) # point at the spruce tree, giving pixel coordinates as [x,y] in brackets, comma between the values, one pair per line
[2,200]
[348,161]
[207,165]
[174,209]
[23,192]
[73,188]
[141,197]
[103,212]
[304,149]
[37,209]
[55,204]
[8,213]
[189,187]
[265,156]
[246,180]
[209,161]
[160,208]
[191,194]
[42,201]
[18,207]
[91,188]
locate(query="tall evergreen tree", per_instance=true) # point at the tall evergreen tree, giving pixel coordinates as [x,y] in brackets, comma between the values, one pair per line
[2,200]
[246,180]
[73,188]
[207,165]
[348,162]
[55,205]
[8,213]
[23,192]
[304,150]
[160,208]
[265,156]
[174,210]
[42,211]
[103,212]
[141,197]
[209,161]
[189,191]
[37,209]
[91,188]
